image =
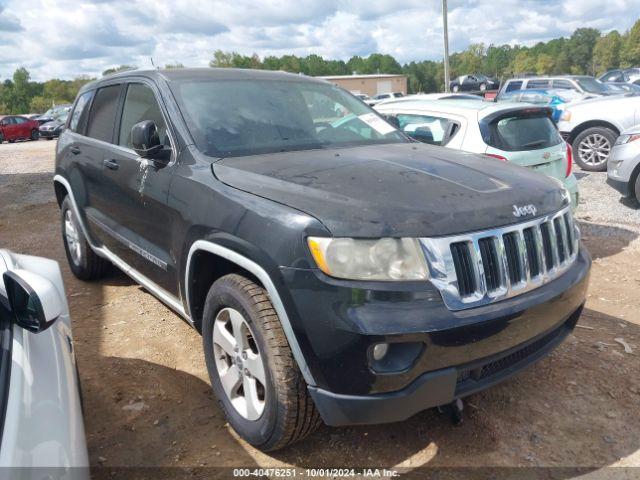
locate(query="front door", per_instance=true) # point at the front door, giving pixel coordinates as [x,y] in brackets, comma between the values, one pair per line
[140,191]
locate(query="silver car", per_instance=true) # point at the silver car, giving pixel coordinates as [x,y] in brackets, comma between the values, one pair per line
[592,126]
[624,166]
[42,426]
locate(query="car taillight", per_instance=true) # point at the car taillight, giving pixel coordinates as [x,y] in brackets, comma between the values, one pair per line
[499,157]
[569,160]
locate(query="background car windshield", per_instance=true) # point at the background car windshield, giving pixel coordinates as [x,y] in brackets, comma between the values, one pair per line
[247,117]
[524,133]
[591,85]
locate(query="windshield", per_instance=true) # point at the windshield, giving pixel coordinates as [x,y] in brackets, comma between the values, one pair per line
[247,117]
[592,85]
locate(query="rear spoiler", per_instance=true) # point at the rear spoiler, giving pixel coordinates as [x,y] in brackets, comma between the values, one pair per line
[493,118]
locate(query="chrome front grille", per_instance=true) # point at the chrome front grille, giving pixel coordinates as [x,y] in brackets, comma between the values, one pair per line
[483,267]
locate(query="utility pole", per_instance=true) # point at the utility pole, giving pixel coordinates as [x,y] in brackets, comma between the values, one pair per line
[447,80]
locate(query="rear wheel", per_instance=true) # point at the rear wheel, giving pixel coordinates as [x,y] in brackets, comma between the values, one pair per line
[252,370]
[455,89]
[83,261]
[35,134]
[483,87]
[637,189]
[592,148]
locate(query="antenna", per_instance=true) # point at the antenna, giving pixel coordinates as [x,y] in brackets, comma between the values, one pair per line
[152,64]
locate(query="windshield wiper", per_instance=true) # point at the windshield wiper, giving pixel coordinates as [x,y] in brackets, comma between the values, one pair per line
[535,143]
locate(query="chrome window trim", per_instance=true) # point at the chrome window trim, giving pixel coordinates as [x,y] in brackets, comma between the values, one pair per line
[442,271]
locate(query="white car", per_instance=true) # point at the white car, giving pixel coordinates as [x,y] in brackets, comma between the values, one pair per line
[516,132]
[431,96]
[42,425]
[592,126]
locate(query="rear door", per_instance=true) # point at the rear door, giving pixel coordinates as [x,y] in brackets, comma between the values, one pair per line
[93,147]
[138,215]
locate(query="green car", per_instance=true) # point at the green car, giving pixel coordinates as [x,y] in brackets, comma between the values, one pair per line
[513,132]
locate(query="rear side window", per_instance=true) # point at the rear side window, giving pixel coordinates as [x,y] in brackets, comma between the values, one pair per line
[511,86]
[520,133]
[80,112]
[427,129]
[140,104]
[537,84]
[103,113]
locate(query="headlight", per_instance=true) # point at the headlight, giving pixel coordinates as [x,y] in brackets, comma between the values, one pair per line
[391,259]
[622,139]
[566,116]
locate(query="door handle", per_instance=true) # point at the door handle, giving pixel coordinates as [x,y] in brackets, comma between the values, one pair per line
[111,164]
[75,150]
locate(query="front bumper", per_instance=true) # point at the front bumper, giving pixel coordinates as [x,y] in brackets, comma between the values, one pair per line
[621,168]
[440,387]
[49,133]
[337,323]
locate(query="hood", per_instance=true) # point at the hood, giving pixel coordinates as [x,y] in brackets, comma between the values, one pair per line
[396,190]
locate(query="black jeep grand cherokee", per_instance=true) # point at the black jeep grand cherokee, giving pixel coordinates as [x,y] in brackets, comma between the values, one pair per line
[335,269]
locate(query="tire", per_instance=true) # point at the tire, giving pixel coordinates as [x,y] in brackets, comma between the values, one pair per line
[483,87]
[49,138]
[240,310]
[83,261]
[1,138]
[35,135]
[592,148]
[455,89]
[637,189]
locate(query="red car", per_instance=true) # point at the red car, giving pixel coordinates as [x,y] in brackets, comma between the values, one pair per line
[14,127]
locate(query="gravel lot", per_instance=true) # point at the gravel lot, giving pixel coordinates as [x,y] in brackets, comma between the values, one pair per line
[148,402]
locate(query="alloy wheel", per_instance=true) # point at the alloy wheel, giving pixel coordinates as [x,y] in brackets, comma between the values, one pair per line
[594,149]
[72,237]
[239,363]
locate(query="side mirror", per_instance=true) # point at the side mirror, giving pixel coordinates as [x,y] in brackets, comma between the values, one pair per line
[34,300]
[145,139]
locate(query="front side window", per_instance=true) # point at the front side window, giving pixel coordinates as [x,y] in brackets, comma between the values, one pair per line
[103,113]
[563,85]
[248,117]
[81,112]
[521,133]
[425,128]
[139,105]
[20,120]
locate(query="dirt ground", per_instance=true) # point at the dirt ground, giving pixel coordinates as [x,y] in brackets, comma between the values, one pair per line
[148,402]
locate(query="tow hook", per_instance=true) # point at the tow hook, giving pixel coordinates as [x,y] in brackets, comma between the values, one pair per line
[454,410]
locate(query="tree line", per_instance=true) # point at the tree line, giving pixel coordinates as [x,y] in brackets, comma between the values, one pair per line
[586,51]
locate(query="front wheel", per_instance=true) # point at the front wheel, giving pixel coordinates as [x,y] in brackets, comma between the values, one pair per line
[85,264]
[35,135]
[483,87]
[252,370]
[455,89]
[592,148]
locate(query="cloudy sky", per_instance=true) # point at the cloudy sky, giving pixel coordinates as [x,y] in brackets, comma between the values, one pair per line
[66,38]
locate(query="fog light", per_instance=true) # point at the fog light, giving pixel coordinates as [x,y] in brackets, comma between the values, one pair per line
[380,351]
